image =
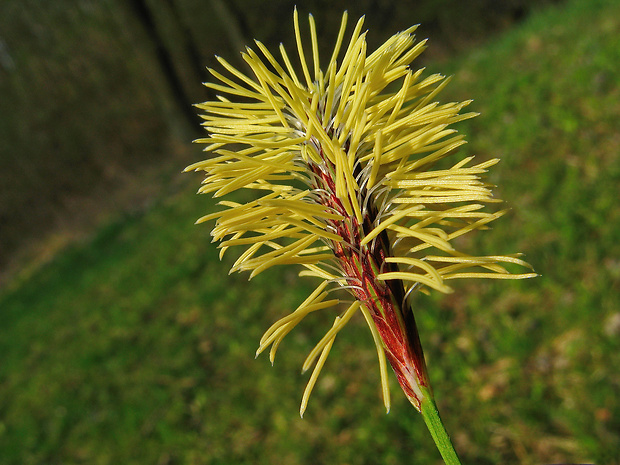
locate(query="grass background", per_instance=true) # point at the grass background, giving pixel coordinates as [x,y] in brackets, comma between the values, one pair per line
[134,346]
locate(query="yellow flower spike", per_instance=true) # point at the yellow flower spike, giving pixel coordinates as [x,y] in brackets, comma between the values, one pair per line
[344,165]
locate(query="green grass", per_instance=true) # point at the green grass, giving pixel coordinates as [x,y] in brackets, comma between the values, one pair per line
[136,347]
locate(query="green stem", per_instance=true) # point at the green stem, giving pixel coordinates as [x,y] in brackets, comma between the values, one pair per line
[437,429]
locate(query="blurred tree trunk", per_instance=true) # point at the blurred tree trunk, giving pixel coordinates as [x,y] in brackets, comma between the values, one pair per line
[175,51]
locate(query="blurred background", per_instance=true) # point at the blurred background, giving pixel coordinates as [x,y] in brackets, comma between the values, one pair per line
[122,340]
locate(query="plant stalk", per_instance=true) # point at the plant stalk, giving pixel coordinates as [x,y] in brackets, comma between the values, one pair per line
[429,411]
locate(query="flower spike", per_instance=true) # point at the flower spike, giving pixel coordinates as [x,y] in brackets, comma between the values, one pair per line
[344,164]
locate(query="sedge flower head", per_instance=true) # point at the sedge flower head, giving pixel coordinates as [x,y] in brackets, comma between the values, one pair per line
[344,164]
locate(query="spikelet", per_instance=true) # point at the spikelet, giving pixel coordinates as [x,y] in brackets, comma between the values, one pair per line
[343,162]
